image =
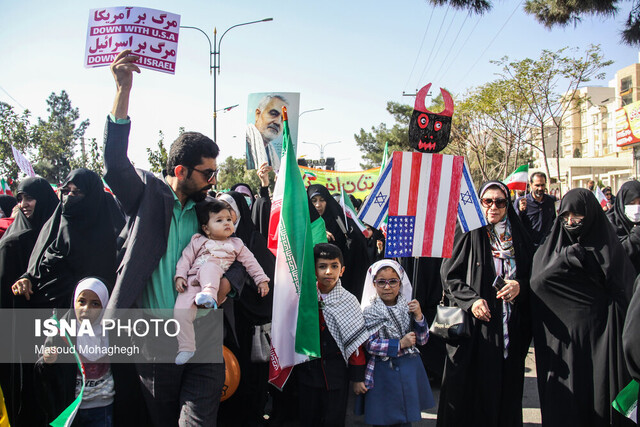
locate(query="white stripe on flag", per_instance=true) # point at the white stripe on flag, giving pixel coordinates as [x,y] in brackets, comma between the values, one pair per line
[443,205]
[405,180]
[423,194]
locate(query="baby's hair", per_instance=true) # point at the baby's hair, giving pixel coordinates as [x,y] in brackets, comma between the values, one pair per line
[205,208]
[327,251]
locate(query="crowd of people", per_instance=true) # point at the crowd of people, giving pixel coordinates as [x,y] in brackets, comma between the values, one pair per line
[567,279]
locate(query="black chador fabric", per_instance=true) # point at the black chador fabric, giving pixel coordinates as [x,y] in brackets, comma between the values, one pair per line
[78,241]
[18,242]
[626,231]
[16,245]
[257,307]
[246,406]
[631,334]
[348,238]
[7,203]
[260,208]
[580,289]
[480,386]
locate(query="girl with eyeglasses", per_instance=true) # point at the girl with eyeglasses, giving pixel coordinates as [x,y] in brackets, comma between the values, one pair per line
[395,378]
[484,374]
[581,285]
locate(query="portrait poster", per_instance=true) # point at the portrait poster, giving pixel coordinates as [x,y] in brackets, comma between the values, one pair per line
[264,126]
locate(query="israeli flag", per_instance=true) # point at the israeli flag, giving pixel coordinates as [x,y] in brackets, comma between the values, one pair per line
[375,207]
[470,214]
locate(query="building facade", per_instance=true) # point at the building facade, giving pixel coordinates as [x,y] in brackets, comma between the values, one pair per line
[588,146]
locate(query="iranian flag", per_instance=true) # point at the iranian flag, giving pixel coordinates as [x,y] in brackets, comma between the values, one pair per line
[295,324]
[600,196]
[4,187]
[518,179]
[627,401]
[350,212]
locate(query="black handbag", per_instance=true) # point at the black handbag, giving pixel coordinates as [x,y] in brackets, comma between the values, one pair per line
[450,323]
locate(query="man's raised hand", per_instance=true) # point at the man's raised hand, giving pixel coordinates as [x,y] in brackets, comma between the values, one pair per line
[122,69]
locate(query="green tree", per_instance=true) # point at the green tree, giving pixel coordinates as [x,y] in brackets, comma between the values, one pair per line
[158,158]
[90,157]
[552,13]
[233,171]
[548,88]
[497,125]
[16,130]
[57,137]
[372,143]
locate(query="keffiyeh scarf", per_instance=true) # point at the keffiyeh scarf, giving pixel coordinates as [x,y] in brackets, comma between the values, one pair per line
[344,319]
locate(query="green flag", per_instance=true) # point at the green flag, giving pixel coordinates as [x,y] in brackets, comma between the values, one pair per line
[65,419]
[295,322]
[385,156]
[627,401]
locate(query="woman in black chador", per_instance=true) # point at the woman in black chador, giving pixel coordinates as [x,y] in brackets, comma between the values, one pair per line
[580,289]
[250,309]
[347,237]
[625,217]
[484,374]
[78,241]
[37,203]
[17,243]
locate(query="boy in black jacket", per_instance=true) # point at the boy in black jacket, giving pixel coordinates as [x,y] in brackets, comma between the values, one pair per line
[324,383]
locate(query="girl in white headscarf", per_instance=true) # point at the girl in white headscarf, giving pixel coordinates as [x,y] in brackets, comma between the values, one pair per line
[64,380]
[396,381]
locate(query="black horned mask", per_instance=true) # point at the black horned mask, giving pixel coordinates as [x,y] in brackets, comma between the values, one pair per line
[429,132]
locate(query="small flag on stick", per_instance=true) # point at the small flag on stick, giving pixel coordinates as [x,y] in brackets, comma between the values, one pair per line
[518,179]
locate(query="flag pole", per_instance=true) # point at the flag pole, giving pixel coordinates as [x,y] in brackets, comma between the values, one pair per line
[414,281]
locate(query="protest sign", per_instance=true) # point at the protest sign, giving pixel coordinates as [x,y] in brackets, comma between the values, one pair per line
[150,34]
[357,183]
[23,163]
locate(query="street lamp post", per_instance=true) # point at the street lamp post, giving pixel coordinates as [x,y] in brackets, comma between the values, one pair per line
[214,60]
[321,146]
[310,111]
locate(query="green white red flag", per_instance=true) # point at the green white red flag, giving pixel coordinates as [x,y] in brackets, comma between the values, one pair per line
[518,179]
[600,196]
[65,419]
[350,212]
[295,329]
[627,401]
[4,187]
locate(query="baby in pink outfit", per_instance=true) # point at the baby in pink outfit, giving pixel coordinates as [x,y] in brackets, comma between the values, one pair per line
[201,266]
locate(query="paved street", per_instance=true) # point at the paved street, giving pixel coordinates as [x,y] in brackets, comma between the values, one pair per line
[530,403]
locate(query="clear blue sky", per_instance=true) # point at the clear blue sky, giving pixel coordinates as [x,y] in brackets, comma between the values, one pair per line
[349,58]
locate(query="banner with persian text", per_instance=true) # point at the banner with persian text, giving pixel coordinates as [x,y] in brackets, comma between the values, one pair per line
[628,124]
[150,34]
[357,183]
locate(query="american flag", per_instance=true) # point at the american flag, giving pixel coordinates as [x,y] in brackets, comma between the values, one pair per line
[423,204]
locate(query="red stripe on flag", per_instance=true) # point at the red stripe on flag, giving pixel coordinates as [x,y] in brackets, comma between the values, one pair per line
[432,204]
[414,184]
[452,211]
[396,176]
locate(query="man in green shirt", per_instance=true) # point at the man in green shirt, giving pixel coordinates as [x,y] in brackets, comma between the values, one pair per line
[162,221]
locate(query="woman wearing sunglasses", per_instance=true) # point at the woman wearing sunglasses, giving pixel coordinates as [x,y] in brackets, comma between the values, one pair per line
[488,277]
[580,288]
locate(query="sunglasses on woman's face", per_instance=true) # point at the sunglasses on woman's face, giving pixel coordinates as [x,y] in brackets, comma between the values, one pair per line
[500,203]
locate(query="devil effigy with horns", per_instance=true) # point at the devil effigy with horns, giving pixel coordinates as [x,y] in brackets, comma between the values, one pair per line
[429,132]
